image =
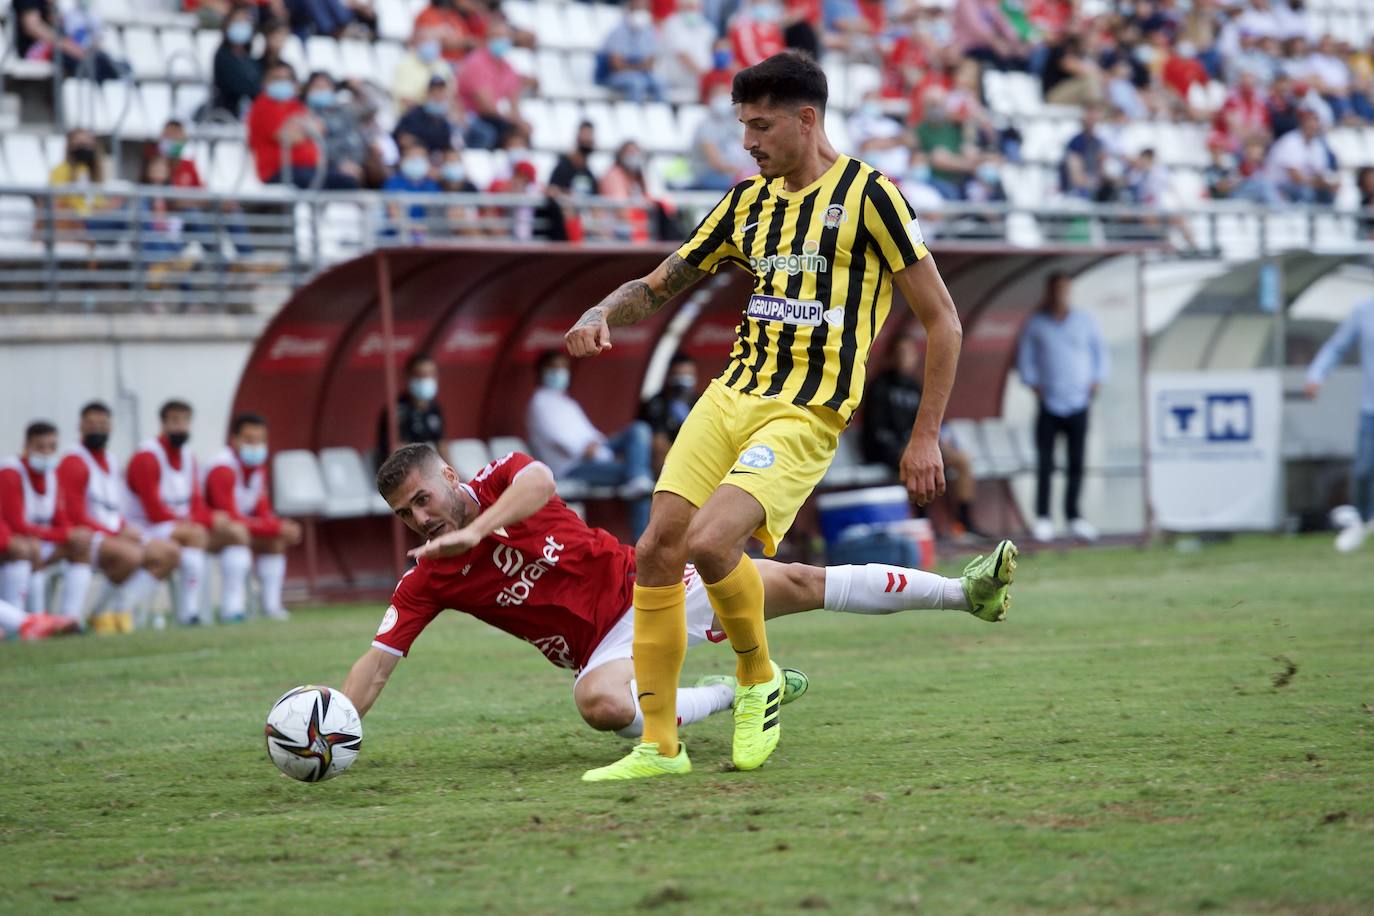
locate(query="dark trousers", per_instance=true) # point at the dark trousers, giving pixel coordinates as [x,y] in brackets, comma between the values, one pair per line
[1048,426]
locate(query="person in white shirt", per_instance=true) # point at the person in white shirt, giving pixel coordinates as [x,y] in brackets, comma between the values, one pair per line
[687,38]
[563,437]
[1300,163]
[1330,76]
[881,141]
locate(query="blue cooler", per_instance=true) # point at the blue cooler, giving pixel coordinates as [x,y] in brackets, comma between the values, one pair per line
[874,507]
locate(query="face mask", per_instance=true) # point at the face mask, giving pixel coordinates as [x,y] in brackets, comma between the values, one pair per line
[632,161]
[414,168]
[499,47]
[253,456]
[722,59]
[438,109]
[920,172]
[586,149]
[766,12]
[280,90]
[871,110]
[239,33]
[557,379]
[84,155]
[177,440]
[427,51]
[170,148]
[682,383]
[424,389]
[41,463]
[94,442]
[641,19]
[319,98]
[721,104]
[988,174]
[454,172]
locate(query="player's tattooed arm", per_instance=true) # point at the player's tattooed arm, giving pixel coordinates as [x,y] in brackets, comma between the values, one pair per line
[631,302]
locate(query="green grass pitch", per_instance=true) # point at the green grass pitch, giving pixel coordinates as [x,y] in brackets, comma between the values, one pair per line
[1148,732]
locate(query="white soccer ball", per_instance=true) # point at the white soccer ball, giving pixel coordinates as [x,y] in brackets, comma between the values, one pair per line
[313,733]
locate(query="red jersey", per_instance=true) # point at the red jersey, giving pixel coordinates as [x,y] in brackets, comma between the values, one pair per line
[549,580]
[242,492]
[29,502]
[265,119]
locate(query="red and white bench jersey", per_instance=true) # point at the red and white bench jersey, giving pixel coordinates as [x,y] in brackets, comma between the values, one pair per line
[40,509]
[105,490]
[176,487]
[248,488]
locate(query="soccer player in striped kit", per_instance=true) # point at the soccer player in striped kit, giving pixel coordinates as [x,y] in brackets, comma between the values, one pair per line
[166,504]
[237,484]
[91,483]
[826,238]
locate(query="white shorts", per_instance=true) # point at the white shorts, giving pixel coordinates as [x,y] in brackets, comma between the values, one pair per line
[619,642]
[162,531]
[45,551]
[96,538]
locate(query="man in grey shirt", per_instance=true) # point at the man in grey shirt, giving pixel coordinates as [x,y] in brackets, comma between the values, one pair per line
[718,155]
[1063,358]
[1358,325]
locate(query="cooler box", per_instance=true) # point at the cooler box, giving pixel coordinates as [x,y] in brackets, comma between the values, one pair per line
[874,525]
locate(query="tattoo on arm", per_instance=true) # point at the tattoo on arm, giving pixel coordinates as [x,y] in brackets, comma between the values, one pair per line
[636,300]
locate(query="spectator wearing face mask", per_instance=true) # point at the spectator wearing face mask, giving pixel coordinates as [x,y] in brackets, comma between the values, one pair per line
[880,140]
[280,122]
[275,34]
[666,411]
[456,219]
[344,144]
[630,55]
[563,437]
[457,27]
[171,145]
[431,122]
[687,37]
[489,89]
[419,418]
[237,76]
[421,64]
[756,32]
[83,169]
[718,156]
[414,176]
[84,28]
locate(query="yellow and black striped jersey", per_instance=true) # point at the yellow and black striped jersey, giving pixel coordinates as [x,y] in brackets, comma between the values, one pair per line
[822,259]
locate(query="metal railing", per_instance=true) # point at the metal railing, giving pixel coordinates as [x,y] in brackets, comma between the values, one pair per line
[135,248]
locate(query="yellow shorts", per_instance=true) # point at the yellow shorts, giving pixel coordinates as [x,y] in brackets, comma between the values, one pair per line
[772,449]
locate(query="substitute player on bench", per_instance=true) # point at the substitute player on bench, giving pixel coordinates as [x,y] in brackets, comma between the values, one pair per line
[504,548]
[826,237]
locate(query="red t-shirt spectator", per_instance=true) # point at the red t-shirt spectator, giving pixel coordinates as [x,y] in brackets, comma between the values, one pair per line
[454,22]
[1243,112]
[265,119]
[1180,73]
[906,53]
[753,41]
[185,174]
[12,504]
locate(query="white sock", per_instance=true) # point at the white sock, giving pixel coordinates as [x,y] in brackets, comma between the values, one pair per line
[234,563]
[135,590]
[272,575]
[10,617]
[881,589]
[37,600]
[76,582]
[192,570]
[14,581]
[693,705]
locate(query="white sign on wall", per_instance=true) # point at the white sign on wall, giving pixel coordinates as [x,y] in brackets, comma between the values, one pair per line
[1215,460]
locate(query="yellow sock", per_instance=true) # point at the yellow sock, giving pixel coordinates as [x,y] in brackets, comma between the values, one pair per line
[659,645]
[738,602]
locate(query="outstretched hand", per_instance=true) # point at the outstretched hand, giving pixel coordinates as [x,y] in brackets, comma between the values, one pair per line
[449,544]
[923,471]
[590,335]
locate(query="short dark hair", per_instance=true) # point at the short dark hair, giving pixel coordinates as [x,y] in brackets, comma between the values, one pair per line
[281,65]
[320,74]
[414,362]
[545,358]
[680,357]
[96,407]
[247,418]
[787,78]
[39,428]
[173,406]
[402,462]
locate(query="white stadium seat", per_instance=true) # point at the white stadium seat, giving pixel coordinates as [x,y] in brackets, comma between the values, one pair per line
[322,53]
[144,53]
[181,59]
[499,446]
[467,456]
[297,483]
[348,483]
[356,60]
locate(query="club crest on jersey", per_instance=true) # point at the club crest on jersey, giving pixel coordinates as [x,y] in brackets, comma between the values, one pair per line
[758,456]
[834,215]
[388,620]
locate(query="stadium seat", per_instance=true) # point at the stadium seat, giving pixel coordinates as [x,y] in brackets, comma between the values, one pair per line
[863,79]
[847,468]
[298,484]
[356,59]
[322,53]
[660,132]
[395,22]
[188,99]
[388,56]
[181,57]
[26,159]
[1002,449]
[580,29]
[556,81]
[144,54]
[500,446]
[348,484]
[467,456]
[608,131]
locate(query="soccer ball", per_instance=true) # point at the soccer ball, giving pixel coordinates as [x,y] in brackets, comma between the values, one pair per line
[313,733]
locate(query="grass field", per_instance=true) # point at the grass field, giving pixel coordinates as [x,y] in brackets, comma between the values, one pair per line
[1149,732]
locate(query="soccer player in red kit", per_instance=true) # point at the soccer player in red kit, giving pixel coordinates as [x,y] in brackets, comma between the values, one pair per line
[166,504]
[92,490]
[236,484]
[504,548]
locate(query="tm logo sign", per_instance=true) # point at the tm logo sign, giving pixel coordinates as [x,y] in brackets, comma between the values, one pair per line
[1198,417]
